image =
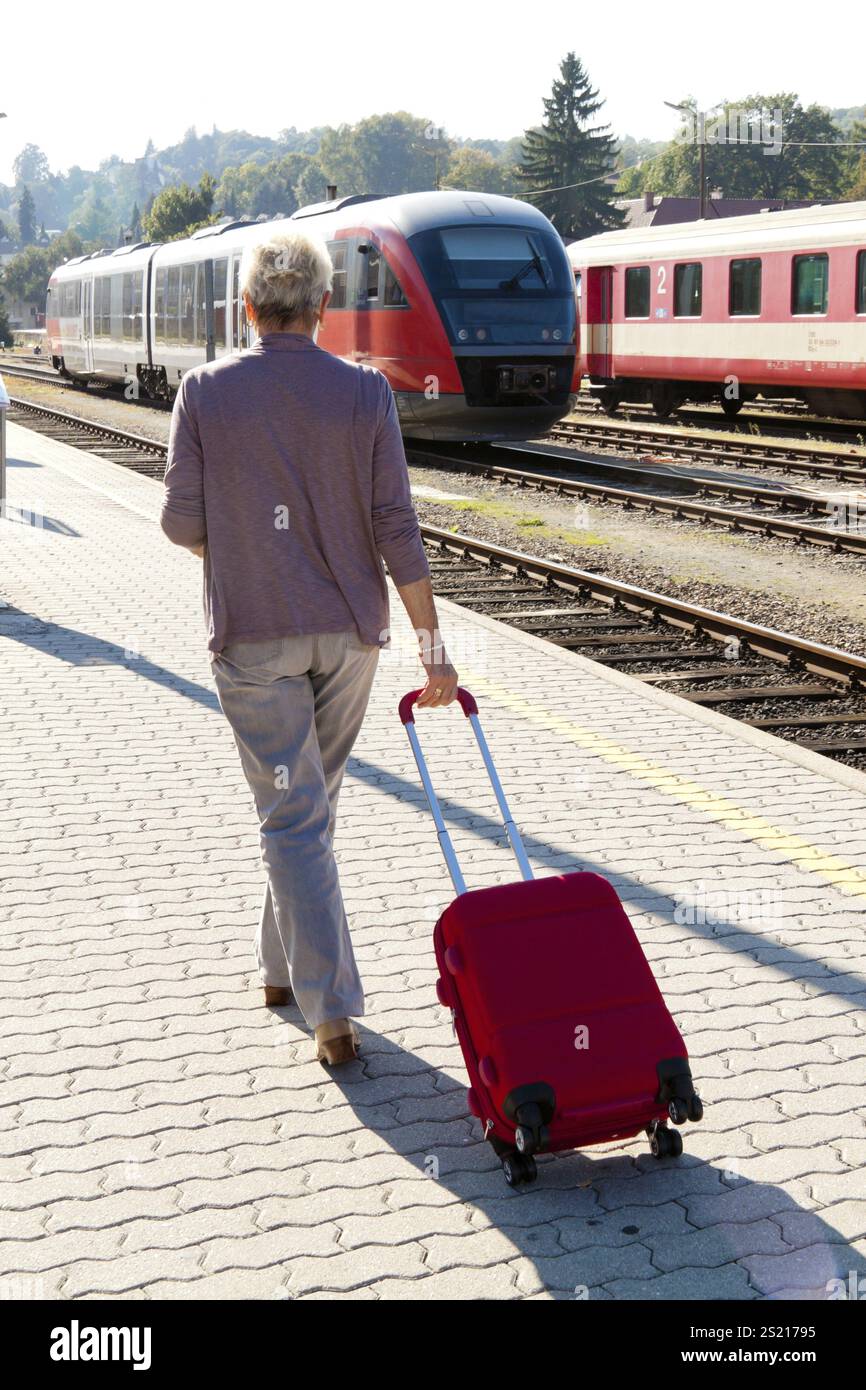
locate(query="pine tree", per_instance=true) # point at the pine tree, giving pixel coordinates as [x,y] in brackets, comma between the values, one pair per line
[567,150]
[27,218]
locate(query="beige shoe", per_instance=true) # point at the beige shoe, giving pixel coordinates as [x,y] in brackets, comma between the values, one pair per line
[336,1042]
[277,996]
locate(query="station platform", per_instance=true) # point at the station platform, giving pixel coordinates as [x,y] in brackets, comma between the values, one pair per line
[164,1136]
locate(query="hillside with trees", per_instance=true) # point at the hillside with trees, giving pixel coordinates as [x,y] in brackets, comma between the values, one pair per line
[570,165]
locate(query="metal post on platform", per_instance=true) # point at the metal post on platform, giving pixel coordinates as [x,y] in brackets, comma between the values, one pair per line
[4,406]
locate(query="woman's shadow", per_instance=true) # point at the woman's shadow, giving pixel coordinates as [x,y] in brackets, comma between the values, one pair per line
[608,1222]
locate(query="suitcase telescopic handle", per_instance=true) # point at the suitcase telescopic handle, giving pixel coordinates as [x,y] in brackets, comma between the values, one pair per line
[470,709]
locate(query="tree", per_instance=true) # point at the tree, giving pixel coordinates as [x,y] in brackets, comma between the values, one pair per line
[27,217]
[310,187]
[855,163]
[94,215]
[26,276]
[179,211]
[758,147]
[472,168]
[31,165]
[568,155]
[393,153]
[5,330]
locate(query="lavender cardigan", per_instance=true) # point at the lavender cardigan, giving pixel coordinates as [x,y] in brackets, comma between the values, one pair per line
[289,464]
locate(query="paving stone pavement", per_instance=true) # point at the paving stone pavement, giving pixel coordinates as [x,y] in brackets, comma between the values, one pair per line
[162,1135]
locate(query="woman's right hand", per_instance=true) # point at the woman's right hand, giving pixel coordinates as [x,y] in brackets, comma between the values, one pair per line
[441,686]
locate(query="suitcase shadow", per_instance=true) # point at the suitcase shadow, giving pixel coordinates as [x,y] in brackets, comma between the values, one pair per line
[609,1222]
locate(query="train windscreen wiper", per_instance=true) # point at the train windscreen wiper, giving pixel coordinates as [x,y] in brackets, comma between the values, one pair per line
[535,264]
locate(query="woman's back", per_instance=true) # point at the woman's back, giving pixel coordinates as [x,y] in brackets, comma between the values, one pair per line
[296,458]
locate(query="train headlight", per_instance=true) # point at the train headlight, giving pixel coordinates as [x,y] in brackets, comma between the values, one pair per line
[557,333]
[481,334]
[463,334]
[545,333]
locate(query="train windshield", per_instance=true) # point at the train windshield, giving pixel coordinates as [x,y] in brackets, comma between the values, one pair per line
[499,285]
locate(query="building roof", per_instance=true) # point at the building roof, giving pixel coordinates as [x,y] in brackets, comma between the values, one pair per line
[651,210]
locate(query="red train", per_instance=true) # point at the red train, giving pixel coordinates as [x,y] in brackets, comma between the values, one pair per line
[464,300]
[770,305]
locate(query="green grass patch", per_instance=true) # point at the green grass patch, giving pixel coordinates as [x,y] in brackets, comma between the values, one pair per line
[519,518]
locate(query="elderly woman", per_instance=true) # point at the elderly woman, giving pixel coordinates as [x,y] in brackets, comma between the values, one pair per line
[287,473]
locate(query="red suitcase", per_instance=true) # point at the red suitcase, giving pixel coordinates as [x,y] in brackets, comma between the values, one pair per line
[565,1034]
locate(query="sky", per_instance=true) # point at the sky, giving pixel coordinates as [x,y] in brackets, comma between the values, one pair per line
[97,84]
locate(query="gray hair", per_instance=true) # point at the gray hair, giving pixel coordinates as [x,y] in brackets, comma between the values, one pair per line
[286,276]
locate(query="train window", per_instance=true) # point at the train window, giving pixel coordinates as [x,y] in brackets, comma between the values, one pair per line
[392,291]
[159,306]
[187,303]
[69,299]
[637,292]
[371,280]
[172,303]
[220,268]
[200,305]
[861,282]
[688,290]
[105,314]
[494,258]
[810,282]
[117,307]
[102,307]
[337,251]
[130,323]
[744,287]
[236,310]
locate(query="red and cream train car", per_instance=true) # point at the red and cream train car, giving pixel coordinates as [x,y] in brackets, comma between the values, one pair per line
[770,305]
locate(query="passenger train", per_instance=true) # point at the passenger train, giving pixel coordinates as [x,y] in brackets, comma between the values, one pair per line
[770,305]
[464,300]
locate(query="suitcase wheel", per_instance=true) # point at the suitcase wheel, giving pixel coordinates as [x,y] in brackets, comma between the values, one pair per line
[472,1104]
[681,1110]
[519,1168]
[664,1142]
[440,992]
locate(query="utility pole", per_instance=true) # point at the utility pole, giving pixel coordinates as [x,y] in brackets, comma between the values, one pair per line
[700,118]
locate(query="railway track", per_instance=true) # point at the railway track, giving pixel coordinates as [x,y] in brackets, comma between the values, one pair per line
[118,446]
[771,417]
[16,371]
[666,499]
[810,694]
[745,452]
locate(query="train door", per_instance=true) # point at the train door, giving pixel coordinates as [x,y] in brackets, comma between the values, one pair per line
[87,323]
[240,328]
[368,265]
[598,320]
